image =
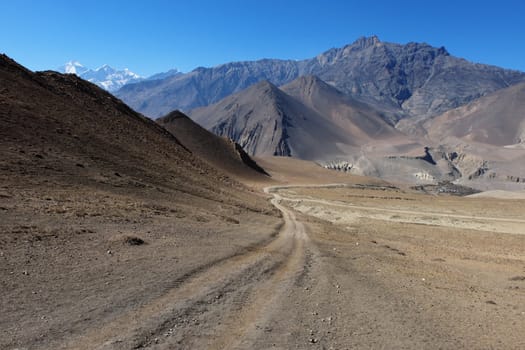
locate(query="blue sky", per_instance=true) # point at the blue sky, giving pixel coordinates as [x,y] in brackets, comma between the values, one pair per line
[151,36]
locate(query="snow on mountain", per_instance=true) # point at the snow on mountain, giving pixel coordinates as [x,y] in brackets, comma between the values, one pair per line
[73,67]
[106,77]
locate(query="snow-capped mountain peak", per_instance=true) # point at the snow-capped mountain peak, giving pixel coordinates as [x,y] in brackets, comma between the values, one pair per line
[73,67]
[105,76]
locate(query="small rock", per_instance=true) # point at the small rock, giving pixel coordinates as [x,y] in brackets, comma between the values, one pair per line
[313,340]
[134,241]
[109,252]
[516,278]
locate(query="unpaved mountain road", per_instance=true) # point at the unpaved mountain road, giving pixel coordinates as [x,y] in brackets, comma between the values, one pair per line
[224,306]
[374,284]
[326,283]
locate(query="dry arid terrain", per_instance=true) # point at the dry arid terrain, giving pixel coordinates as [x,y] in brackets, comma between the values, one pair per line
[117,234]
[364,265]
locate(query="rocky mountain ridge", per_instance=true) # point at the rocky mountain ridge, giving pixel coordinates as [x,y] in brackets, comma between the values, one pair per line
[477,145]
[411,80]
[307,119]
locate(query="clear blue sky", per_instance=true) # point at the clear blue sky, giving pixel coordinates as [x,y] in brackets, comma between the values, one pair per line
[151,36]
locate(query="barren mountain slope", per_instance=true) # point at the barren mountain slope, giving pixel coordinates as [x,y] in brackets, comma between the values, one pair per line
[421,79]
[56,125]
[221,152]
[497,119]
[266,121]
[204,86]
[307,119]
[414,79]
[361,122]
[102,210]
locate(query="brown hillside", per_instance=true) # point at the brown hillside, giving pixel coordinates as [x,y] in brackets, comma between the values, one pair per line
[221,152]
[306,119]
[102,210]
[67,130]
[496,119]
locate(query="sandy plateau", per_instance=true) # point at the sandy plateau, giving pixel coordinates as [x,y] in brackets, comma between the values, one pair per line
[356,265]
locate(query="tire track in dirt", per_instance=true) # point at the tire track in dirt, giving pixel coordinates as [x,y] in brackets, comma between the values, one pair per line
[249,323]
[400,211]
[252,283]
[336,203]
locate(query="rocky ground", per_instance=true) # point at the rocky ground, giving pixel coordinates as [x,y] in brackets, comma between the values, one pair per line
[75,260]
[366,265]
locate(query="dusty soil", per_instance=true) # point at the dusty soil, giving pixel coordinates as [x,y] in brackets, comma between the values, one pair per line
[330,275]
[395,281]
[75,261]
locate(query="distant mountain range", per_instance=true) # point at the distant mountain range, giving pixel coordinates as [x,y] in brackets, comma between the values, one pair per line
[479,144]
[110,78]
[412,80]
[306,118]
[405,113]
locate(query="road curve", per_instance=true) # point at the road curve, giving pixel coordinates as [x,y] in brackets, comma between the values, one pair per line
[237,294]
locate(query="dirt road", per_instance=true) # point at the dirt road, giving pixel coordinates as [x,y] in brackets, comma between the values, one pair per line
[325,282]
[224,306]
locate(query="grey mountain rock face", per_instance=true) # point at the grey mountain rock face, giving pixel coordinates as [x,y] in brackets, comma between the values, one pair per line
[204,86]
[310,119]
[407,80]
[254,118]
[360,120]
[164,75]
[306,118]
